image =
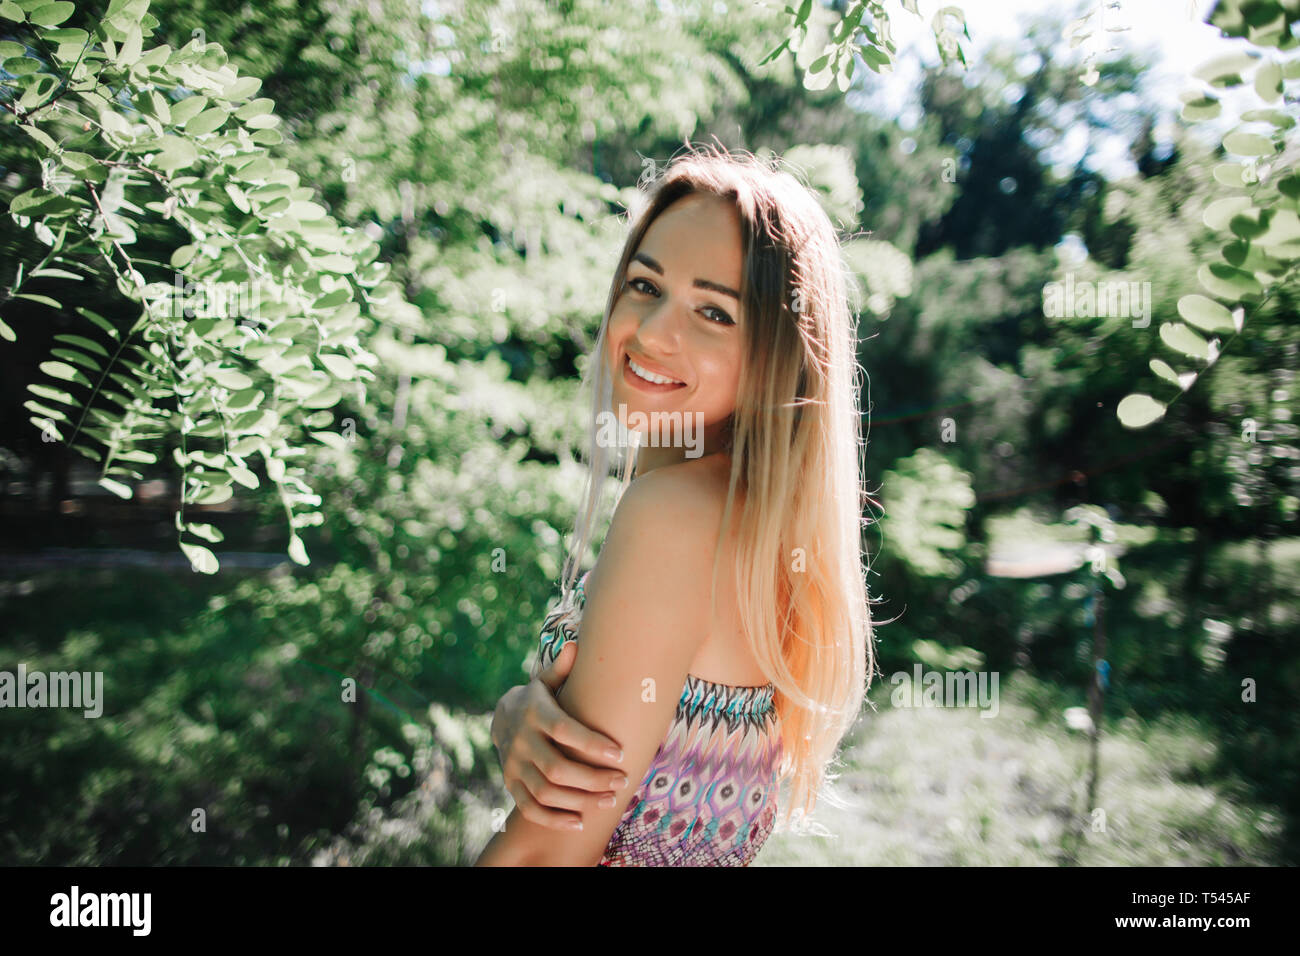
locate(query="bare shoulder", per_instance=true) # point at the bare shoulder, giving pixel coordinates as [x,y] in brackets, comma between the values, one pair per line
[668,523]
[688,499]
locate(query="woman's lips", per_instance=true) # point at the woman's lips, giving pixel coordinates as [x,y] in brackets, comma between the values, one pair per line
[637,382]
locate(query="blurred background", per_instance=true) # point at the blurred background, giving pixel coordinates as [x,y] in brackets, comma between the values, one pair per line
[1134,590]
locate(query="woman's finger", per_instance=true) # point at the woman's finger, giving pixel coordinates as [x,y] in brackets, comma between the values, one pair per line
[534,812]
[548,717]
[562,771]
[553,796]
[557,671]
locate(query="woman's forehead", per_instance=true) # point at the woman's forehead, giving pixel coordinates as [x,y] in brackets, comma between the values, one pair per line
[693,224]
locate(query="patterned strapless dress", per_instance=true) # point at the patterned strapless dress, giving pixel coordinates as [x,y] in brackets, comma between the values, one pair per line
[709,797]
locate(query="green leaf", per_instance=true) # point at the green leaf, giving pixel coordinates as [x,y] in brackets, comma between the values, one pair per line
[1230,174]
[205,531]
[21,65]
[1180,338]
[332,439]
[52,14]
[1248,144]
[1165,371]
[245,398]
[230,378]
[332,299]
[67,35]
[99,320]
[89,453]
[1223,280]
[339,366]
[1247,225]
[130,50]
[1268,82]
[256,170]
[176,153]
[158,56]
[1139,410]
[1202,108]
[214,496]
[52,394]
[1225,67]
[11,11]
[39,202]
[139,455]
[258,107]
[187,108]
[201,559]
[306,211]
[1274,117]
[296,550]
[775,53]
[64,372]
[326,398]
[42,299]
[116,487]
[245,476]
[1205,314]
[6,332]
[72,355]
[183,255]
[242,88]
[206,122]
[57,274]
[1282,225]
[83,343]
[46,425]
[45,410]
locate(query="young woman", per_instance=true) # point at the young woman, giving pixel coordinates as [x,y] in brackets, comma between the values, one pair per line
[725,628]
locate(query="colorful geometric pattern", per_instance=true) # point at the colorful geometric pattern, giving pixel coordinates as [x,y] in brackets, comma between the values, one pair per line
[709,797]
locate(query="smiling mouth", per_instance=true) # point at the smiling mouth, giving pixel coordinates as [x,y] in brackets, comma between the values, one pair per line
[644,378]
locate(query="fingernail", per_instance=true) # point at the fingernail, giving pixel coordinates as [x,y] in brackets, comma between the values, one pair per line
[619,783]
[615,755]
[575,825]
[606,802]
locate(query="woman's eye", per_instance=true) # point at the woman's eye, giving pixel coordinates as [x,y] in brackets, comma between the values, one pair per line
[722,317]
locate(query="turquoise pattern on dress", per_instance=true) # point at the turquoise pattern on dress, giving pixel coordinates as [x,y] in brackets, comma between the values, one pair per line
[709,796]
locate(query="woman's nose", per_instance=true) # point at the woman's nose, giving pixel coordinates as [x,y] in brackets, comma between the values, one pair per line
[662,326]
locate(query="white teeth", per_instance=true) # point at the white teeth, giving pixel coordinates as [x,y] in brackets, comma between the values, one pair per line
[651,376]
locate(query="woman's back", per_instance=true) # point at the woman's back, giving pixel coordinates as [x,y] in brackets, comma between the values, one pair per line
[709,797]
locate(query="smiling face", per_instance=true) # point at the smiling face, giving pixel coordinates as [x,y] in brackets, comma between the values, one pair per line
[679,318]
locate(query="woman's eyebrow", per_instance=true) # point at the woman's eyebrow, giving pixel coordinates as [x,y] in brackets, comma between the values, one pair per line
[701,283]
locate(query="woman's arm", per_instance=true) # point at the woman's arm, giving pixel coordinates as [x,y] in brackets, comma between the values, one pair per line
[528,727]
[646,616]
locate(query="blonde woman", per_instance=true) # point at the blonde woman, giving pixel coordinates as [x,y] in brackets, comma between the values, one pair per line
[725,628]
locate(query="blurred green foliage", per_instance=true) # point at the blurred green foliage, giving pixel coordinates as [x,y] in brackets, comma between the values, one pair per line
[487,150]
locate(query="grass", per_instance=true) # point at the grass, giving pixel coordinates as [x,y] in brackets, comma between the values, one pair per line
[947,787]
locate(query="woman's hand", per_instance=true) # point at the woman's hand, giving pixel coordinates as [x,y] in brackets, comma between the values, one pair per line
[549,788]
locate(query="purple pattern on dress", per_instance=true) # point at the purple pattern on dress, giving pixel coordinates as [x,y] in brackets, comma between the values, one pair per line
[709,796]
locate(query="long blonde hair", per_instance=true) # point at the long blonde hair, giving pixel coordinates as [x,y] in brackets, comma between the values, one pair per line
[795,441]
